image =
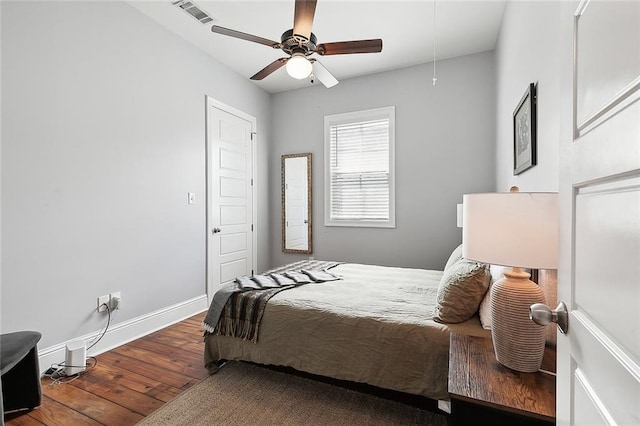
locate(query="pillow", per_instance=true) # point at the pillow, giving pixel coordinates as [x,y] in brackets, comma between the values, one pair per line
[460,292]
[497,273]
[484,311]
[455,255]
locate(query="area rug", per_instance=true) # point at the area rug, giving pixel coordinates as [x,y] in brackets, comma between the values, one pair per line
[247,394]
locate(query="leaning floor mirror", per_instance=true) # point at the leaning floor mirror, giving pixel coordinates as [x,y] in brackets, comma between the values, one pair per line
[296,203]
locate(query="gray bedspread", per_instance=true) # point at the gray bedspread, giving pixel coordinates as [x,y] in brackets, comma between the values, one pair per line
[237,307]
[375,326]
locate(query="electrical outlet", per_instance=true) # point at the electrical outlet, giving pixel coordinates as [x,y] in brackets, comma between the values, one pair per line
[115,300]
[103,300]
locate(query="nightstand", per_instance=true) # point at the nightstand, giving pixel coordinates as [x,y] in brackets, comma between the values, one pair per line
[483,391]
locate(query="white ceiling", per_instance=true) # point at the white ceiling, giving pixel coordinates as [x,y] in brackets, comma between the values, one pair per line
[405,27]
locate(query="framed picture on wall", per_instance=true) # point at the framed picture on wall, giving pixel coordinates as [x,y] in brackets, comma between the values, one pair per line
[524,132]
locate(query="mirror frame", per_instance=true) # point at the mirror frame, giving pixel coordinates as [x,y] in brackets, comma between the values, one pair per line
[283,204]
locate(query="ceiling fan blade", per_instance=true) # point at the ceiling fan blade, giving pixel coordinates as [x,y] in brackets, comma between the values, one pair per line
[245,36]
[303,17]
[323,74]
[273,66]
[347,47]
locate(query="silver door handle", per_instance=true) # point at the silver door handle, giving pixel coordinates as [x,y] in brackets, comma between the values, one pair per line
[543,315]
[215,230]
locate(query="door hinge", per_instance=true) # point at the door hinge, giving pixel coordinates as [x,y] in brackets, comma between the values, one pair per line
[251,181]
[253,134]
[252,272]
[252,227]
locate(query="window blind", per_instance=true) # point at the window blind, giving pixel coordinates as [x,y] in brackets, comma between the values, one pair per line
[359,171]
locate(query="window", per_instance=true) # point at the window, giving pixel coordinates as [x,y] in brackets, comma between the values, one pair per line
[359,168]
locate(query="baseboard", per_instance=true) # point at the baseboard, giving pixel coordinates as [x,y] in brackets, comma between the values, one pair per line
[124,332]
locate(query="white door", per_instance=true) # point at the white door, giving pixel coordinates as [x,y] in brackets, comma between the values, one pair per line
[230,195]
[599,274]
[296,193]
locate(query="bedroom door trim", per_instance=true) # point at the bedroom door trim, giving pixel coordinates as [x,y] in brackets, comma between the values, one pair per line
[213,281]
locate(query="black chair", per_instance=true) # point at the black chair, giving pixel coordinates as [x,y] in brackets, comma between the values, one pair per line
[20,370]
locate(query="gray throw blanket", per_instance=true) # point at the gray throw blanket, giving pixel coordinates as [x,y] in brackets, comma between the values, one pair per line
[237,308]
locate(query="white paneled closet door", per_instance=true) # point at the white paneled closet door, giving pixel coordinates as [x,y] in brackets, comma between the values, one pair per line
[230,195]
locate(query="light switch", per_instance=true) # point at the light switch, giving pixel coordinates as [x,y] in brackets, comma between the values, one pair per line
[192,197]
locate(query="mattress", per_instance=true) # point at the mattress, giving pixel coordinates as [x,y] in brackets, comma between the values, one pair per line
[373,326]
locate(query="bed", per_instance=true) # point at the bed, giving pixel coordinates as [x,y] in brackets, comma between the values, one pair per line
[383,326]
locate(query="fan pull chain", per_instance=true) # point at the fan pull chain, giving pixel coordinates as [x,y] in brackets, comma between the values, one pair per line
[434,43]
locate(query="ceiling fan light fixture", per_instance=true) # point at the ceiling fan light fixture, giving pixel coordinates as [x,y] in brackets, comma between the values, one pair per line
[299,43]
[298,66]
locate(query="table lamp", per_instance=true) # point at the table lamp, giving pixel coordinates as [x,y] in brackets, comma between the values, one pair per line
[520,230]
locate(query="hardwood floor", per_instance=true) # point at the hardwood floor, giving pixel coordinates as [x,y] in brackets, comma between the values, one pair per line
[128,383]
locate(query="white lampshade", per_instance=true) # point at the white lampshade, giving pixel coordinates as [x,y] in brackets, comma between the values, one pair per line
[517,229]
[298,66]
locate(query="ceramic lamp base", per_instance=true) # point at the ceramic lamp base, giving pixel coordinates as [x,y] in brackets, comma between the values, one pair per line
[518,342]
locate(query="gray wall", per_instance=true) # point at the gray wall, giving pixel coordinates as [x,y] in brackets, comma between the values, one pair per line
[528,51]
[445,147]
[103,135]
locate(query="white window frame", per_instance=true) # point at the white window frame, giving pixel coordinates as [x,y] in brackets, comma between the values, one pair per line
[354,117]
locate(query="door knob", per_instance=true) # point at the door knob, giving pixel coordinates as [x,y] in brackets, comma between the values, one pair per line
[543,315]
[215,230]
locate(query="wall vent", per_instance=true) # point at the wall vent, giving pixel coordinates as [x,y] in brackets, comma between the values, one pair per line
[193,10]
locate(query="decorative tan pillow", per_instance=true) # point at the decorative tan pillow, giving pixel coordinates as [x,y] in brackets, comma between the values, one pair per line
[461,289]
[455,255]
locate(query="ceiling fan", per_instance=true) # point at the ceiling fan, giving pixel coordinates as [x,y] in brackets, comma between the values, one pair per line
[299,43]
